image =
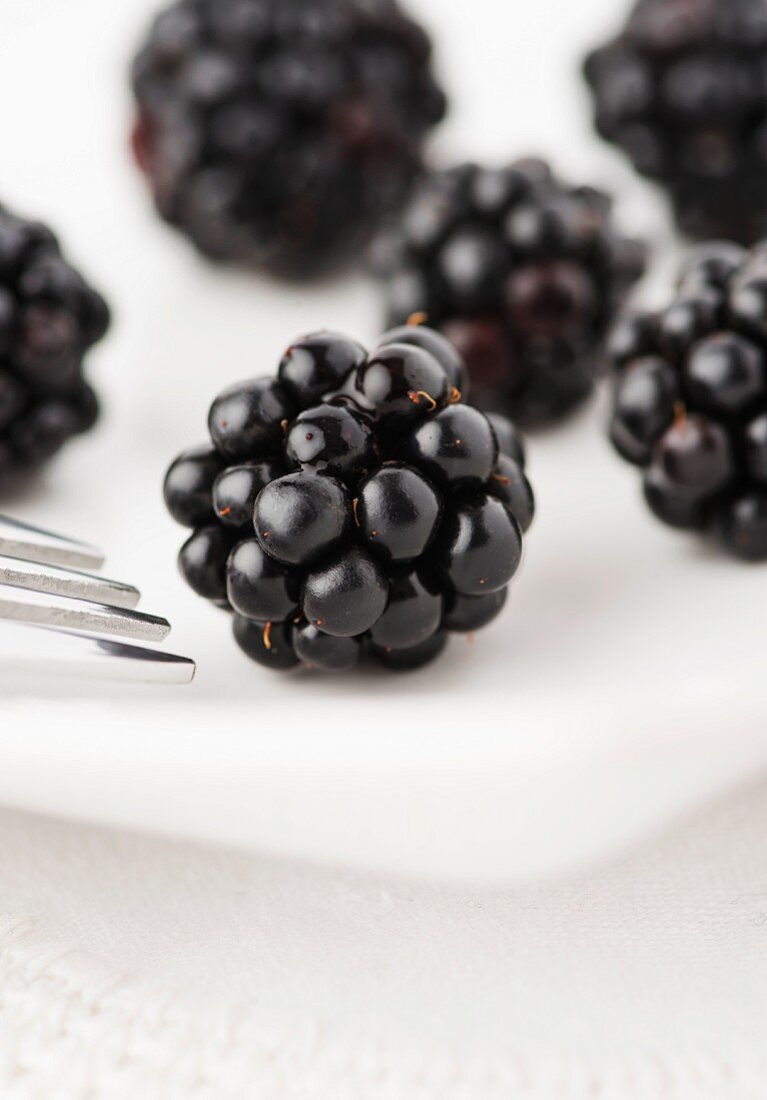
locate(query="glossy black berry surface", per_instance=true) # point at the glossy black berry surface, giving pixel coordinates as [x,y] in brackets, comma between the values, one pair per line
[469,613]
[521,272]
[413,658]
[189,484]
[398,512]
[301,518]
[49,319]
[681,92]
[438,346]
[373,523]
[346,595]
[690,402]
[259,587]
[277,133]
[479,547]
[398,383]
[236,487]
[510,485]
[413,614]
[318,365]
[244,421]
[333,438]
[456,447]
[324,652]
[268,644]
[203,562]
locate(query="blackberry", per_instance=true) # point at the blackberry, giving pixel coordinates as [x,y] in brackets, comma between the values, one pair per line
[279,134]
[49,318]
[522,273]
[690,403]
[353,505]
[681,91]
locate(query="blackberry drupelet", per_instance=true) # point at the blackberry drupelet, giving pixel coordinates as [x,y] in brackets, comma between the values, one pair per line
[691,398]
[681,91]
[49,318]
[522,273]
[279,134]
[353,505]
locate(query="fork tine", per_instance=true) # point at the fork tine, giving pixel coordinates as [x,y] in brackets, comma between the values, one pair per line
[57,652]
[67,582]
[24,606]
[20,540]
[54,613]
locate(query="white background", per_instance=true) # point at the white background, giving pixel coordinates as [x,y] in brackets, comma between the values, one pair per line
[623,686]
[623,683]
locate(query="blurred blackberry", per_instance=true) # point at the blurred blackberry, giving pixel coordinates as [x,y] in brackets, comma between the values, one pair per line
[522,273]
[279,134]
[691,398]
[49,317]
[353,505]
[682,91]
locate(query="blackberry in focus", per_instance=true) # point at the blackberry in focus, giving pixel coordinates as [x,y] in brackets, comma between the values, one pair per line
[690,403]
[279,134]
[353,505]
[522,273]
[49,318]
[681,92]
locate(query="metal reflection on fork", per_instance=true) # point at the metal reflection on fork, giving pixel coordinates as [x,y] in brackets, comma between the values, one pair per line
[59,615]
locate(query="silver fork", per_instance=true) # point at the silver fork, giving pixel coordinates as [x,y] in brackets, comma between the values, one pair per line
[60,616]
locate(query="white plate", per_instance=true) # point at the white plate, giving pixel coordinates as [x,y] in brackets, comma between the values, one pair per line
[626,679]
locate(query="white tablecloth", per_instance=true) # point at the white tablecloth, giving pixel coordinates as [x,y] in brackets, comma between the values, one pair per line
[137,967]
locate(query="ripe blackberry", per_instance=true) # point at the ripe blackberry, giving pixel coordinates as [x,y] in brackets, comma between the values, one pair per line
[681,91]
[522,273]
[279,134]
[691,398]
[49,317]
[353,505]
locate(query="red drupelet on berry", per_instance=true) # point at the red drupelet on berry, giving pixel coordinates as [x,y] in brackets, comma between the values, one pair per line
[522,273]
[691,398]
[682,92]
[49,318]
[353,504]
[280,134]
